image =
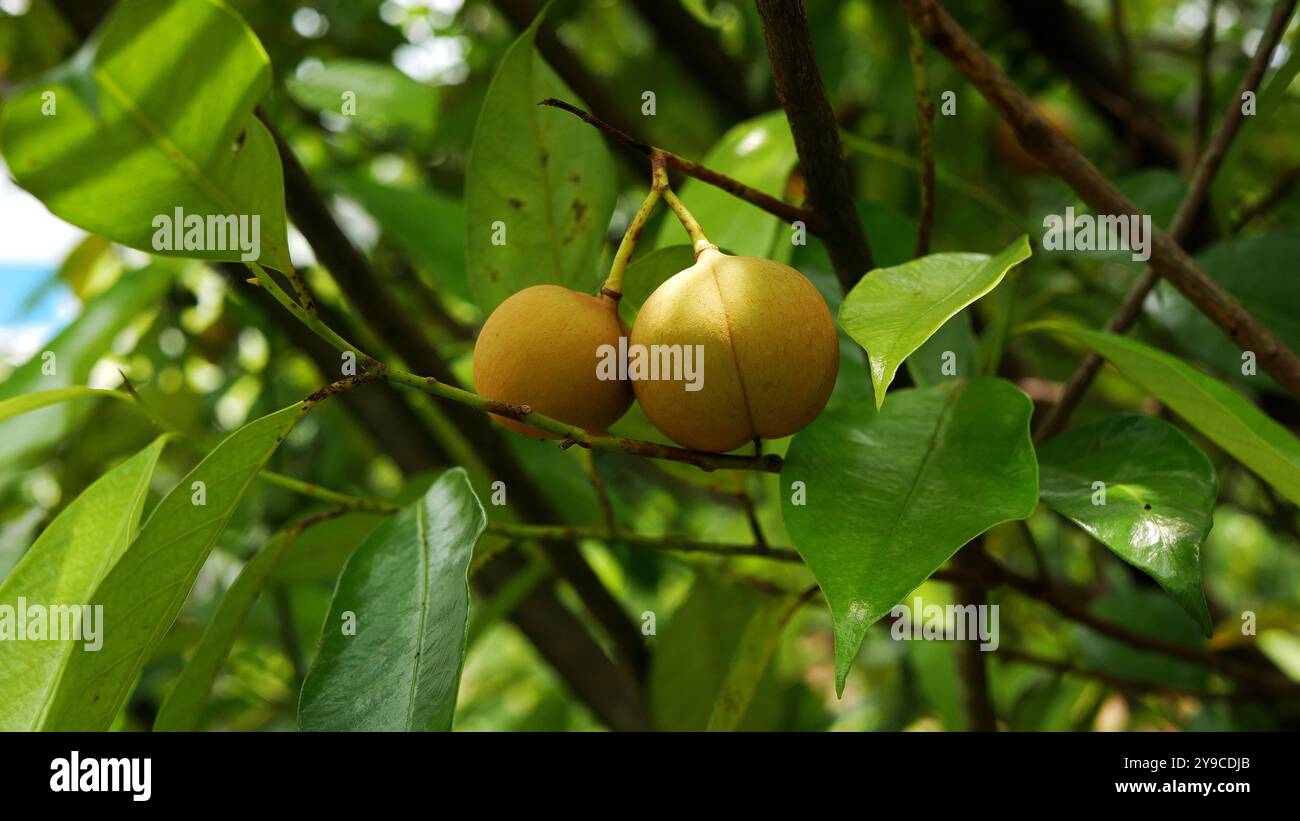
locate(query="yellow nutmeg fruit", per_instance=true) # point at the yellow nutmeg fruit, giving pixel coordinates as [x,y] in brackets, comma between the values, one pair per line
[770,352]
[541,347]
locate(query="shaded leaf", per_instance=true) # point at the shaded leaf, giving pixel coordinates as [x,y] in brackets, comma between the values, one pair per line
[892,311]
[406,588]
[1224,416]
[545,176]
[144,591]
[63,569]
[880,486]
[28,402]
[757,644]
[647,273]
[1159,504]
[384,97]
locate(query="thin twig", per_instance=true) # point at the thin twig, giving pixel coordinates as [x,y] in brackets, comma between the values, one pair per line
[1206,169]
[1279,192]
[925,127]
[1122,683]
[1205,93]
[772,205]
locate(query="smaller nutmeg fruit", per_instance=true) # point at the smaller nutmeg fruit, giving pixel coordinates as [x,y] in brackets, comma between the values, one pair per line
[540,348]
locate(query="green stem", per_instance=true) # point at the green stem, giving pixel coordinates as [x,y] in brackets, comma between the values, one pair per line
[684,215]
[614,282]
[678,544]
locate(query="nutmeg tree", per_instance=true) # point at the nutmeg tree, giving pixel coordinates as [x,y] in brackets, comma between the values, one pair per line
[671,366]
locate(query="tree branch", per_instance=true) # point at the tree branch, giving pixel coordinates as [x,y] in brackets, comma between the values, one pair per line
[1197,194]
[770,204]
[1051,148]
[816,137]
[925,127]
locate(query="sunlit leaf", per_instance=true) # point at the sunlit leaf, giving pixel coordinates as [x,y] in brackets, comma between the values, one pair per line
[1159,497]
[63,569]
[144,591]
[892,311]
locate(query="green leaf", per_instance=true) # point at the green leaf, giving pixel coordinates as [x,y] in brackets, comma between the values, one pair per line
[757,644]
[428,225]
[155,113]
[144,591]
[544,175]
[383,96]
[892,311]
[1159,498]
[647,273]
[1224,416]
[183,706]
[68,359]
[760,153]
[33,401]
[891,495]
[63,568]
[405,590]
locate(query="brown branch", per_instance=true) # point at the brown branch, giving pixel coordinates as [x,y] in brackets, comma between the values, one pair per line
[1197,193]
[772,205]
[1071,607]
[816,133]
[1054,150]
[1070,42]
[925,127]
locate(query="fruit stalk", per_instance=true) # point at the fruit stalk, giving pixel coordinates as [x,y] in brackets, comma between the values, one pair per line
[613,287]
[684,216]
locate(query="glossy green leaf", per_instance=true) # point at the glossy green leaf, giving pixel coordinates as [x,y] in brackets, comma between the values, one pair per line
[155,113]
[760,153]
[428,225]
[319,553]
[406,593]
[62,569]
[879,491]
[66,361]
[144,591]
[382,97]
[1224,416]
[757,644]
[183,706]
[539,181]
[892,311]
[1159,497]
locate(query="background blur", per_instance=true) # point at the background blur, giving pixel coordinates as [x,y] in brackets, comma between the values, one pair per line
[209,355]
